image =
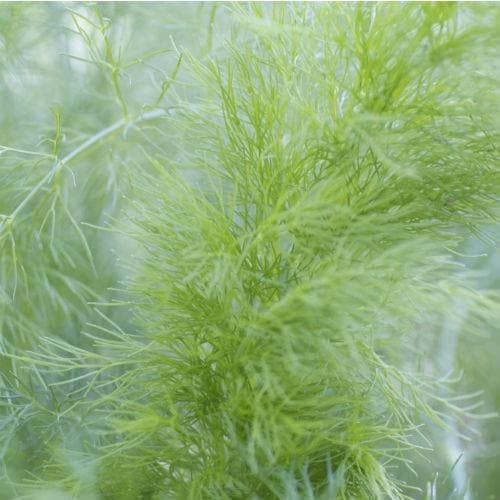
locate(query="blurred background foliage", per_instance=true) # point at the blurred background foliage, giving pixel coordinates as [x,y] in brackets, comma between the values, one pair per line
[59,87]
[65,72]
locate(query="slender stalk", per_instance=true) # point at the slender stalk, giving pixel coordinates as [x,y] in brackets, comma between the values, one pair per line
[91,141]
[447,356]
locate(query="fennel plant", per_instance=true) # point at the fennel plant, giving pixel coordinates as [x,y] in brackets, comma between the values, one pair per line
[226,266]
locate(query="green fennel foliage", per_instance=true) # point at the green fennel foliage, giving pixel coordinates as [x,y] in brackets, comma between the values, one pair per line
[296,201]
